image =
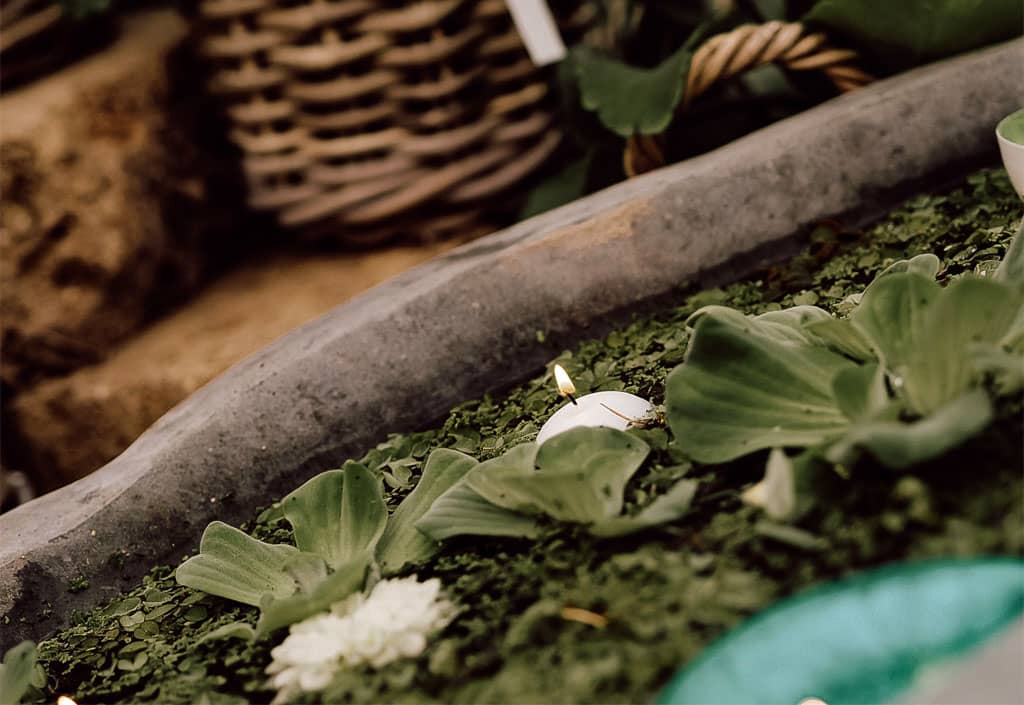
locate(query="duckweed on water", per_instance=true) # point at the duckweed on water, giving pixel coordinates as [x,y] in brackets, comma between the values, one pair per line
[661,595]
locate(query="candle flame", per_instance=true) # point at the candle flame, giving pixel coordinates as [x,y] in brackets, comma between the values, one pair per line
[564,382]
[65,700]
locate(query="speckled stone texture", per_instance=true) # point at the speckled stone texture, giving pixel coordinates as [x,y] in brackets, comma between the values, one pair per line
[398,357]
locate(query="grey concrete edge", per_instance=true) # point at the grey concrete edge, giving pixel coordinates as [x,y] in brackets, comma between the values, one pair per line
[401,355]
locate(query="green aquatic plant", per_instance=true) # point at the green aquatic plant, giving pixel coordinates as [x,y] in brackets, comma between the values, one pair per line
[402,542]
[903,378]
[578,476]
[234,565]
[341,530]
[338,515]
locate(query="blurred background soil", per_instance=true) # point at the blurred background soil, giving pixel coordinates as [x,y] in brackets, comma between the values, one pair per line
[130,271]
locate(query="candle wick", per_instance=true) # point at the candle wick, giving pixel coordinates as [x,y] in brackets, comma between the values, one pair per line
[621,416]
[572,398]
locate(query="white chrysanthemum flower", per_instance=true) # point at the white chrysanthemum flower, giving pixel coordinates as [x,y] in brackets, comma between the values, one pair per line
[393,622]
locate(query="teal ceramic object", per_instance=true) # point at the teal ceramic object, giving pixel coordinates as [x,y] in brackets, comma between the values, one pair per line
[859,640]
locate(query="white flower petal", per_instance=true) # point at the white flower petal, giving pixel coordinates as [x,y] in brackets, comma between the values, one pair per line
[394,621]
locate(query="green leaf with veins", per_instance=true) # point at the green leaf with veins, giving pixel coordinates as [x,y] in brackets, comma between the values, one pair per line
[401,541]
[897,444]
[1011,269]
[785,326]
[313,598]
[749,384]
[664,509]
[579,475]
[1011,273]
[843,337]
[926,264]
[924,333]
[890,315]
[337,515]
[630,100]
[969,311]
[860,392]
[797,318]
[461,511]
[236,566]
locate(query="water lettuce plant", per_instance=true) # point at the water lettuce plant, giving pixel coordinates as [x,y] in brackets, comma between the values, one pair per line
[342,531]
[902,378]
[343,539]
[578,476]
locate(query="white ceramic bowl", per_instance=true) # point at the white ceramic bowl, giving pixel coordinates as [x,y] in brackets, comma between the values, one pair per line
[1012,153]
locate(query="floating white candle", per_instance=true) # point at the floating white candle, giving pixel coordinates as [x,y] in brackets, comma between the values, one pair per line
[607,409]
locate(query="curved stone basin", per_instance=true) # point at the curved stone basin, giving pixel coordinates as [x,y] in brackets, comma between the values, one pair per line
[398,357]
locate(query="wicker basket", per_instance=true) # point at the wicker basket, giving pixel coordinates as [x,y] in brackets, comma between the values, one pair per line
[37,37]
[365,119]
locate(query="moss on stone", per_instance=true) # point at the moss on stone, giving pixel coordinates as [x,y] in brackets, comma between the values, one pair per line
[665,593]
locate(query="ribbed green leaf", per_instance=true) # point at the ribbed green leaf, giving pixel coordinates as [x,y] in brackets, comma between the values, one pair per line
[924,333]
[890,315]
[843,337]
[1011,273]
[860,391]
[927,265]
[1011,269]
[667,508]
[16,672]
[462,512]
[749,384]
[798,319]
[838,643]
[786,326]
[280,612]
[578,475]
[236,566]
[971,310]
[899,445]
[337,515]
[401,541]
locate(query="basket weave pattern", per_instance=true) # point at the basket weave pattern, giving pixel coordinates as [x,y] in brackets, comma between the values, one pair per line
[370,118]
